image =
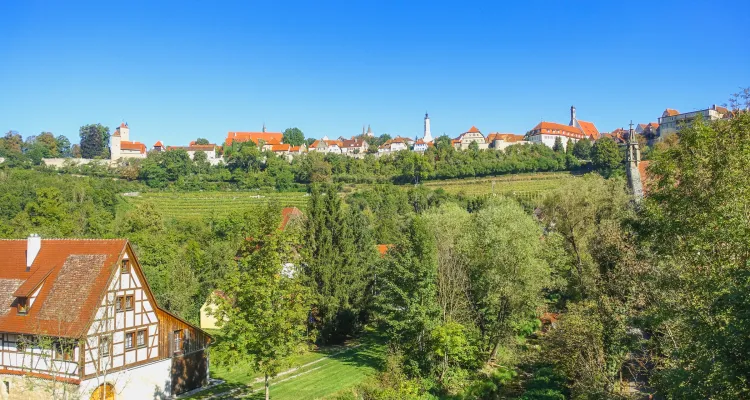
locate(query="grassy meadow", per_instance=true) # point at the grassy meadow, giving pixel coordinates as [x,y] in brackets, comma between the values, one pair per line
[319,374]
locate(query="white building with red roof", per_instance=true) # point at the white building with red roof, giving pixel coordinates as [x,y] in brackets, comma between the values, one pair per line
[547,133]
[79,314]
[121,147]
[473,135]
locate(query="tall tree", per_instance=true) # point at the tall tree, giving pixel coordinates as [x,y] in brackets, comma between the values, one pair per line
[607,156]
[63,146]
[264,311]
[582,149]
[201,141]
[293,136]
[558,146]
[94,140]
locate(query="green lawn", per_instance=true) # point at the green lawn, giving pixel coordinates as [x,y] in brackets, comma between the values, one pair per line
[189,205]
[319,374]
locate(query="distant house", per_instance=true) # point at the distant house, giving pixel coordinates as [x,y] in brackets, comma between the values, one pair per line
[80,312]
[473,135]
[393,145]
[671,119]
[121,147]
[500,141]
[420,146]
[325,145]
[354,146]
[208,149]
[260,139]
[547,133]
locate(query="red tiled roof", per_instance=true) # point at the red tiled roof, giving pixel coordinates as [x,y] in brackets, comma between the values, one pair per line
[158,144]
[383,248]
[653,124]
[315,144]
[124,125]
[643,126]
[194,147]
[74,274]
[506,137]
[549,128]
[721,109]
[352,143]
[289,214]
[295,148]
[589,129]
[255,137]
[671,112]
[473,129]
[280,147]
[125,145]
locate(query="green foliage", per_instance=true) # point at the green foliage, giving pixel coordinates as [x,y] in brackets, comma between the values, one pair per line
[697,224]
[94,140]
[582,149]
[607,156]
[339,254]
[293,136]
[264,311]
[202,141]
[558,146]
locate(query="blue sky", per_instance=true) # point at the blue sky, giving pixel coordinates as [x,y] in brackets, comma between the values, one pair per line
[181,70]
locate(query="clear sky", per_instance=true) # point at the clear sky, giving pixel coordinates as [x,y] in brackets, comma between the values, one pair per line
[181,70]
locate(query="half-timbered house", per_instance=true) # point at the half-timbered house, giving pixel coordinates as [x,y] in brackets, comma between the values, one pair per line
[78,320]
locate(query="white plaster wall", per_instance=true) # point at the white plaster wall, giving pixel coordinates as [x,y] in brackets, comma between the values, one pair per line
[148,381]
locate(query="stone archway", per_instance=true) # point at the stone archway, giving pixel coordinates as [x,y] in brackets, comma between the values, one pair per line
[105,391]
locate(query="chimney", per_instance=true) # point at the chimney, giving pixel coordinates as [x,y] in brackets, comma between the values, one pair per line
[33,245]
[572,116]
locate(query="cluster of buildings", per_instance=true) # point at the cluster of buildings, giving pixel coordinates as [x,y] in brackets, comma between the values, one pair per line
[78,319]
[545,132]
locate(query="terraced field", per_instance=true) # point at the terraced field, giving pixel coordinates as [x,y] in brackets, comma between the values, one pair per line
[526,186]
[187,205]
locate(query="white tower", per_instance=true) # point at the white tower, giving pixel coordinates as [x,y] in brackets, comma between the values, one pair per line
[427,135]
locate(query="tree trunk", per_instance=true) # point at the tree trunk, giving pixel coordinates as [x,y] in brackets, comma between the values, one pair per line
[267,392]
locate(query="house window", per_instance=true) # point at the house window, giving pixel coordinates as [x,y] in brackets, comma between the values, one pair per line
[142,335]
[129,302]
[63,351]
[120,303]
[125,267]
[104,345]
[23,305]
[129,339]
[178,341]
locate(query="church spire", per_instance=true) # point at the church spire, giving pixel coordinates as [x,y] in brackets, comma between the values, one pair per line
[264,127]
[427,136]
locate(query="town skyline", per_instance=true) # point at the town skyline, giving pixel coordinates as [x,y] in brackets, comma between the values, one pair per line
[333,68]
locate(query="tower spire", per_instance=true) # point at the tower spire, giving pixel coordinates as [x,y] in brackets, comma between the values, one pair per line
[633,155]
[427,137]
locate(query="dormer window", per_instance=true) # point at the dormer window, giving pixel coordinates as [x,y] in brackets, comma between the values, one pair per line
[125,267]
[23,305]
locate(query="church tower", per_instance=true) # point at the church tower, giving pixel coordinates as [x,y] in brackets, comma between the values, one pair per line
[573,121]
[427,135]
[633,158]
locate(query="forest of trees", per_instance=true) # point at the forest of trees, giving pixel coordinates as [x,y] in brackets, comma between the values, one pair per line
[643,298]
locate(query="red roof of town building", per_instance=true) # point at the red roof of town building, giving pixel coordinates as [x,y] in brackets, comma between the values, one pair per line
[473,129]
[553,128]
[589,129]
[125,145]
[158,144]
[255,137]
[383,248]
[289,214]
[71,275]
[670,112]
[506,137]
[280,147]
